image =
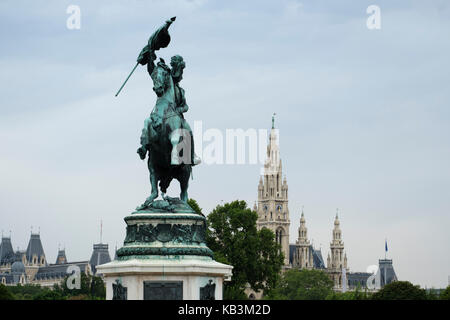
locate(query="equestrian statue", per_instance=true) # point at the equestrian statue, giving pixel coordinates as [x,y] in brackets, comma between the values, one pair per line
[166,138]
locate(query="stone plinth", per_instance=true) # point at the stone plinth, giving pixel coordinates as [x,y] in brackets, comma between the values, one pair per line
[193,272]
[165,257]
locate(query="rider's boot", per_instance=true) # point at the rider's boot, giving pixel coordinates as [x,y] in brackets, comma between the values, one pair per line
[196,160]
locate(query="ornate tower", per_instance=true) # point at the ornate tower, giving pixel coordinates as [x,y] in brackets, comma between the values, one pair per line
[272,209]
[303,255]
[338,260]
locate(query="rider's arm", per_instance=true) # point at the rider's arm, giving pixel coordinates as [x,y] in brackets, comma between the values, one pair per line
[147,57]
[150,63]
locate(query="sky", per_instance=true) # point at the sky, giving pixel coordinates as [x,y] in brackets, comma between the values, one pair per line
[363,116]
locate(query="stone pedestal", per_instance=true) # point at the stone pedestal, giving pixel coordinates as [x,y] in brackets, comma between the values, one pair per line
[165,257]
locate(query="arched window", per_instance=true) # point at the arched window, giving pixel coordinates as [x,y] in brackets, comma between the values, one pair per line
[279,235]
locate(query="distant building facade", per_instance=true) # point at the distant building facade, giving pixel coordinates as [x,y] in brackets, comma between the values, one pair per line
[273,213]
[31,266]
[272,208]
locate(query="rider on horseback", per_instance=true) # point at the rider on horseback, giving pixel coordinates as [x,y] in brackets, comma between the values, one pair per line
[177,63]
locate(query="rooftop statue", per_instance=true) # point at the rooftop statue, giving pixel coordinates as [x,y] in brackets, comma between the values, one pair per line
[166,139]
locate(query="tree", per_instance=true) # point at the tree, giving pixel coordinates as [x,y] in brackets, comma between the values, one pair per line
[255,256]
[400,290]
[445,295]
[98,289]
[5,293]
[25,292]
[357,294]
[48,294]
[194,205]
[303,285]
[92,287]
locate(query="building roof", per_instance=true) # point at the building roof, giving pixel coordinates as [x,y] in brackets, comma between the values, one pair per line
[10,278]
[99,256]
[34,247]
[317,258]
[17,267]
[291,253]
[358,278]
[6,251]
[61,258]
[387,273]
[55,271]
[316,254]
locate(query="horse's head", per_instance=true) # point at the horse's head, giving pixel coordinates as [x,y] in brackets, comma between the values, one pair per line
[161,80]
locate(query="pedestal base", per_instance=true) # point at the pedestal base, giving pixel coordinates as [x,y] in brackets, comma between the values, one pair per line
[165,257]
[167,278]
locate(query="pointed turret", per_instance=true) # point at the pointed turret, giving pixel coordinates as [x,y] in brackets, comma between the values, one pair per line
[35,251]
[304,248]
[386,270]
[100,255]
[61,258]
[303,231]
[6,251]
[338,260]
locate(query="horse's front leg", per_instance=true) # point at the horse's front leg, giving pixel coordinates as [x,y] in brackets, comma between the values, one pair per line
[184,184]
[183,194]
[153,183]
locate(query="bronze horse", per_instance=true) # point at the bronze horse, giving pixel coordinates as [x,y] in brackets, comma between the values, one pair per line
[165,138]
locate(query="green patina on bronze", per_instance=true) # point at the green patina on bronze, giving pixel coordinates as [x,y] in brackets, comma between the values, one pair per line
[173,205]
[177,233]
[163,235]
[164,217]
[166,140]
[127,253]
[167,227]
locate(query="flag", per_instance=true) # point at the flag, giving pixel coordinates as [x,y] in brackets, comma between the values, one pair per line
[385,246]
